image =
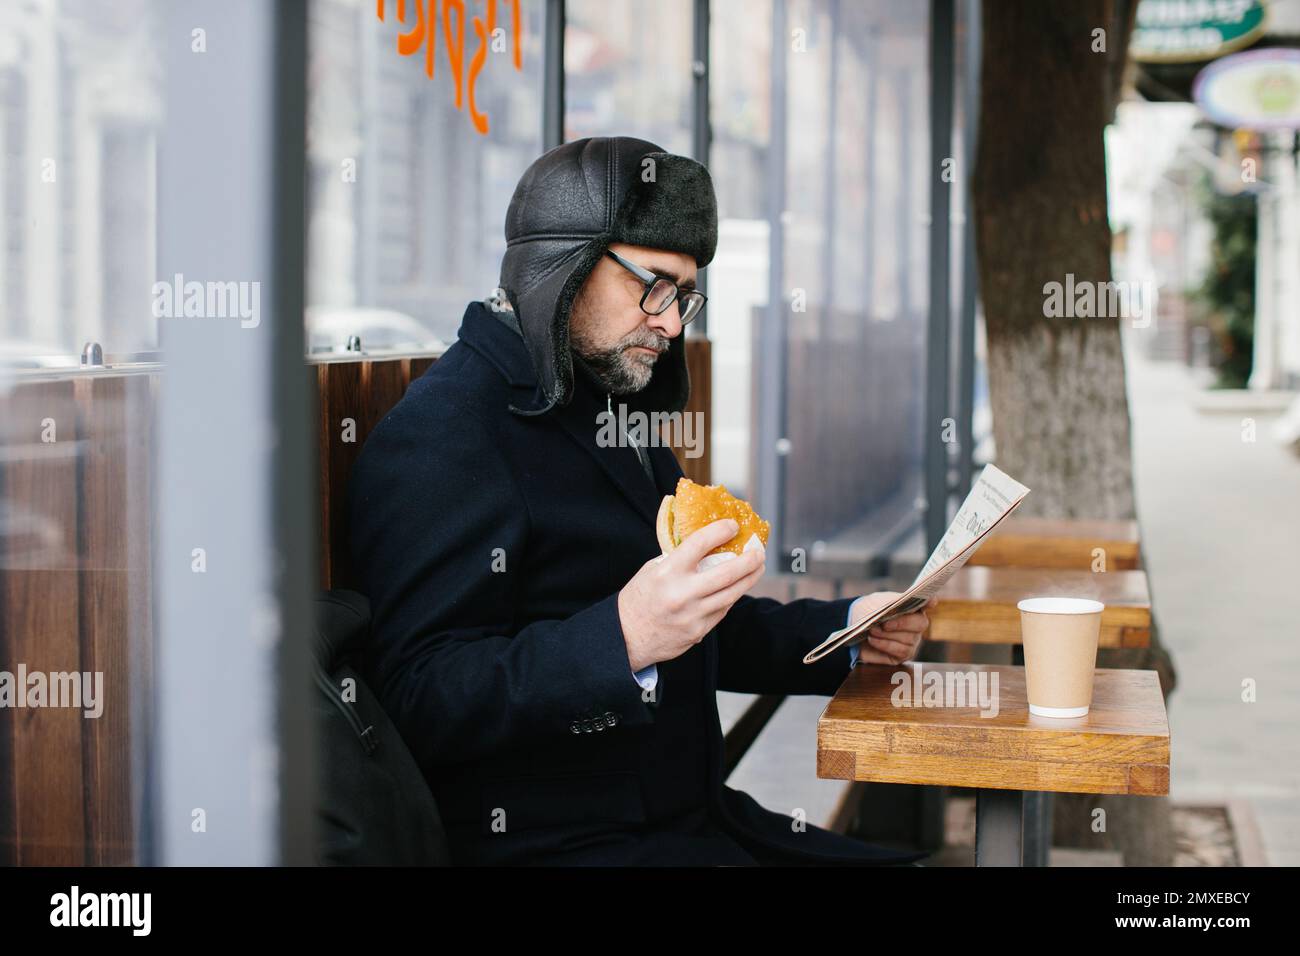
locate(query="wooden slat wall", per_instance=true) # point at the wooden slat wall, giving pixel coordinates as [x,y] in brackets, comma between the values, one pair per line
[339,396]
[42,812]
[699,364]
[115,420]
[353,398]
[67,782]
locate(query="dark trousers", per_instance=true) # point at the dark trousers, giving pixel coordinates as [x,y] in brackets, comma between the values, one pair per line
[691,840]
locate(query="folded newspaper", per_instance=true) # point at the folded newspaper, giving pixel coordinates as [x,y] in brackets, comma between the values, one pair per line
[994,496]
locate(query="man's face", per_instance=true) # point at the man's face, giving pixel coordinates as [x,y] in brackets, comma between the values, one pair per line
[607,327]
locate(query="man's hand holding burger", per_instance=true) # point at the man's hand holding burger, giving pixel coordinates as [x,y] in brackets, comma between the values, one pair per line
[669,605]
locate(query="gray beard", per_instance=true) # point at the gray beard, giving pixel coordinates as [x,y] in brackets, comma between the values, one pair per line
[616,372]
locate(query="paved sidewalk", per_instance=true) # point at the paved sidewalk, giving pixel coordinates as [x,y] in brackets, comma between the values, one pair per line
[1220,525]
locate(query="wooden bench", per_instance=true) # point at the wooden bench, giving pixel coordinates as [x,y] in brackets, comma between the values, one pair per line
[978,605]
[1025,542]
[356,391]
[769,734]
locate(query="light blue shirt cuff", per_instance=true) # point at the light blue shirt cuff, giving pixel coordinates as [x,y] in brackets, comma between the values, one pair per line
[647,677]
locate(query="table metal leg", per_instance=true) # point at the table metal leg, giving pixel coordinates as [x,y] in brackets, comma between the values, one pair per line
[999,827]
[1045,824]
[1038,828]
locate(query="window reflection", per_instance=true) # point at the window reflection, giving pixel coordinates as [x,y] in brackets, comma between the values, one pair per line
[844,350]
[406,200]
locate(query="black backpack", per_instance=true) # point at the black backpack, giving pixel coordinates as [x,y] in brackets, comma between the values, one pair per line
[374,807]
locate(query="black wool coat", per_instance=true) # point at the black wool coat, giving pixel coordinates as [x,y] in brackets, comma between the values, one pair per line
[492,547]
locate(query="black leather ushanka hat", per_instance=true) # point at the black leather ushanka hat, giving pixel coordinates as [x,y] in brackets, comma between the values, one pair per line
[569,205]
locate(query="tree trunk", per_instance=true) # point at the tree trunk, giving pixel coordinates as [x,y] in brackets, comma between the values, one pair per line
[1057,386]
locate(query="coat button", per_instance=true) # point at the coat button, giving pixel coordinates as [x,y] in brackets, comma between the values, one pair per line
[587,727]
[575,727]
[611,718]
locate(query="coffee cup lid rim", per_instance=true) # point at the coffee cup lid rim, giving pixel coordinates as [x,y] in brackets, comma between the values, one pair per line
[1060,605]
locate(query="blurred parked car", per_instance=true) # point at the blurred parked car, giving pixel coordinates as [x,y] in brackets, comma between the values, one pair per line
[328,330]
[23,353]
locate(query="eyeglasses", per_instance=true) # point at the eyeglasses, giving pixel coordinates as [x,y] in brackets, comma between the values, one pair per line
[660,292]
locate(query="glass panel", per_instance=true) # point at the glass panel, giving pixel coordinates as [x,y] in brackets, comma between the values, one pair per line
[740,104]
[228,751]
[137,203]
[81,106]
[627,71]
[830,440]
[406,199]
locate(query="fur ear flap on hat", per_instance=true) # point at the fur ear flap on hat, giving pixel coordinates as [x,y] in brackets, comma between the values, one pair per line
[559,366]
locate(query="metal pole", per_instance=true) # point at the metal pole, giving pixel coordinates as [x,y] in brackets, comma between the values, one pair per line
[772,344]
[969,263]
[873,72]
[939,325]
[999,824]
[1037,828]
[553,76]
[829,186]
[292,453]
[701,130]
[368,185]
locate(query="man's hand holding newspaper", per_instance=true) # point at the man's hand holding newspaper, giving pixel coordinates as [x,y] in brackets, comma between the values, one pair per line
[994,496]
[892,641]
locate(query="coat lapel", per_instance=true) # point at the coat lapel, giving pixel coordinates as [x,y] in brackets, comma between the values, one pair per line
[580,420]
[505,350]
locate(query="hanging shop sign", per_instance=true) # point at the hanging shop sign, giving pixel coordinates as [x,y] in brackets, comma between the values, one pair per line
[1256,90]
[1189,31]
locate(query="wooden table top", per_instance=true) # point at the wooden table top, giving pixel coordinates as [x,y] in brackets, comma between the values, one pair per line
[1121,746]
[1060,543]
[978,605]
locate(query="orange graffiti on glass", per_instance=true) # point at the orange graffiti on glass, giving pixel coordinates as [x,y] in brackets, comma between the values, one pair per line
[425,33]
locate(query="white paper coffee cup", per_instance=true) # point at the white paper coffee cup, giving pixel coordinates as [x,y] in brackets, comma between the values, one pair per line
[1060,637]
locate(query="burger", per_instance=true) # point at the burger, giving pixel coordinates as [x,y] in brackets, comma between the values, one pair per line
[694,506]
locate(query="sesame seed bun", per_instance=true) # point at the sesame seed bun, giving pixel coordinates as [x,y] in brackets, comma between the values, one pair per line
[694,506]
